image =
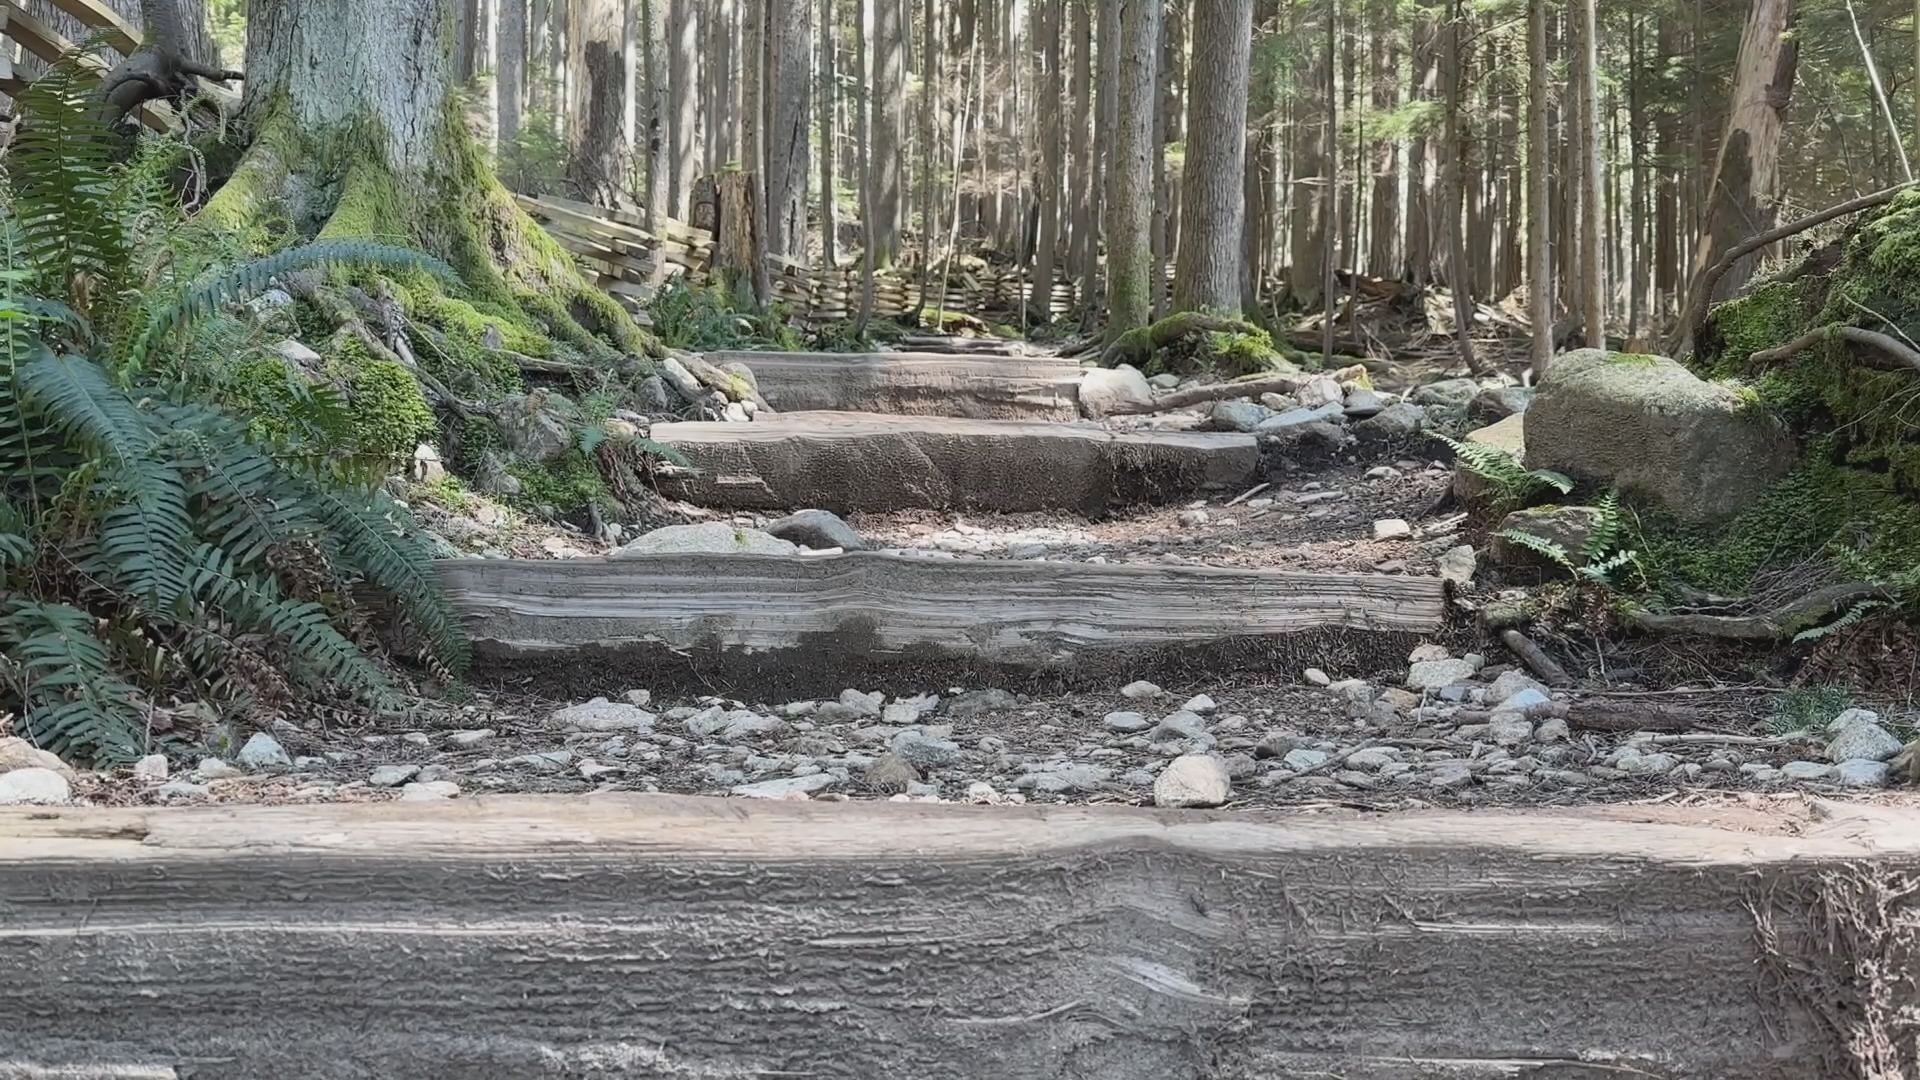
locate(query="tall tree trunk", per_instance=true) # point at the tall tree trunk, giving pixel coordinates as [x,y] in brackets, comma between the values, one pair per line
[1260,172]
[597,162]
[1311,159]
[658,101]
[683,110]
[1383,226]
[788,97]
[510,71]
[829,92]
[1593,276]
[1166,124]
[1746,172]
[927,179]
[888,111]
[1420,155]
[1130,199]
[1052,155]
[1106,130]
[1459,278]
[862,137]
[1207,277]
[1666,153]
[1084,176]
[1539,201]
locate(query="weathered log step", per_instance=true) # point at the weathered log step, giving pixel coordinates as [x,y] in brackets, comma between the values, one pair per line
[915,384]
[849,462]
[632,934]
[868,610]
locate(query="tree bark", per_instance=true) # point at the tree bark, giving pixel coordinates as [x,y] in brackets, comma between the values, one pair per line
[1459,279]
[887,110]
[1052,154]
[1084,176]
[683,110]
[1539,249]
[1106,131]
[598,161]
[1130,200]
[657,104]
[1746,172]
[1213,214]
[828,102]
[1311,155]
[1593,276]
[510,71]
[1383,226]
[788,96]
[863,139]
[1420,156]
[1166,131]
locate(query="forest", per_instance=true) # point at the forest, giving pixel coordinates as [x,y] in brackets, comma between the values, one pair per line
[283,275]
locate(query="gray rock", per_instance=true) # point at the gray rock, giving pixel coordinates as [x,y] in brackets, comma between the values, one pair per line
[1435,674]
[18,753]
[152,768]
[1199,703]
[1363,403]
[1193,780]
[1293,418]
[1512,682]
[923,752]
[1495,404]
[596,715]
[1448,775]
[1862,772]
[1137,778]
[1569,527]
[182,789]
[467,739]
[890,774]
[1552,729]
[552,761]
[1447,393]
[1303,759]
[430,791]
[34,786]
[263,751]
[535,426]
[1806,770]
[1647,426]
[386,776]
[1395,423]
[709,537]
[651,395]
[977,703]
[214,768]
[1236,415]
[1863,740]
[817,529]
[1849,717]
[681,381]
[1372,758]
[784,787]
[1179,725]
[1126,723]
[734,725]
[1164,381]
[1509,728]
[1457,565]
[490,477]
[1320,390]
[1635,763]
[1276,744]
[1140,691]
[1103,391]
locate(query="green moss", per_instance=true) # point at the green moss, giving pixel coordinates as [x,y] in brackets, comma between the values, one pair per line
[370,205]
[390,415]
[1858,518]
[261,389]
[1628,359]
[565,486]
[1759,320]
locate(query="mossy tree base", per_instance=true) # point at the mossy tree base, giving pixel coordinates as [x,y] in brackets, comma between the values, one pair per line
[1193,341]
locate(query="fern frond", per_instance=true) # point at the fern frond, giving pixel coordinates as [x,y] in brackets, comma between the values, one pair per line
[1602,572]
[1605,534]
[1853,616]
[250,278]
[62,171]
[370,537]
[143,537]
[662,451]
[256,604]
[1550,549]
[74,705]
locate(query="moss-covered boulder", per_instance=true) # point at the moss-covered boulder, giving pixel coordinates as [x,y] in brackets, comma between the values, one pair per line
[1650,428]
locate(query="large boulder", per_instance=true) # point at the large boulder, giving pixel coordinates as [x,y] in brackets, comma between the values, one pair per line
[1105,391]
[1649,427]
[711,537]
[535,425]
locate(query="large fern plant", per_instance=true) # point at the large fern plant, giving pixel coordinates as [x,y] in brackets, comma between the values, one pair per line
[150,544]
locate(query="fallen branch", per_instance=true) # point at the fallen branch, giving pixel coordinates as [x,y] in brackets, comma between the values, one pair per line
[1535,658]
[1784,621]
[1886,343]
[1616,717]
[1200,395]
[1699,297]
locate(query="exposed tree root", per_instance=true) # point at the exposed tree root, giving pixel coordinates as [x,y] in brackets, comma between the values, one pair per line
[1782,622]
[1535,658]
[1885,343]
[1137,347]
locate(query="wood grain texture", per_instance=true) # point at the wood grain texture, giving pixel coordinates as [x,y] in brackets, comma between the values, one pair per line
[849,462]
[652,936]
[915,384]
[1009,611]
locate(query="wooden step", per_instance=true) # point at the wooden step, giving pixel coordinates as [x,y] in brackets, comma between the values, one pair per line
[848,462]
[870,609]
[915,384]
[630,935]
